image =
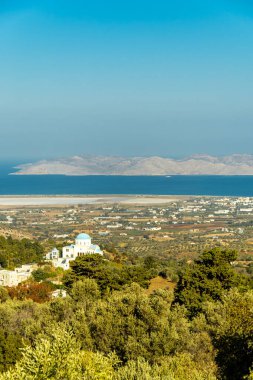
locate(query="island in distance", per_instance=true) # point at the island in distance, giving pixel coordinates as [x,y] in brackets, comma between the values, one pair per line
[236,164]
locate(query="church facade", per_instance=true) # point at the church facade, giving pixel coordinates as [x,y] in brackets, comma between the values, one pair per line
[82,246]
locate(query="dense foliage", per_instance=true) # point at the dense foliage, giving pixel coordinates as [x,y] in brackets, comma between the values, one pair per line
[107,329]
[142,331]
[107,274]
[206,279]
[14,252]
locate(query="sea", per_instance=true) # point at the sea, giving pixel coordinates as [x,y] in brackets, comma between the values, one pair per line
[212,185]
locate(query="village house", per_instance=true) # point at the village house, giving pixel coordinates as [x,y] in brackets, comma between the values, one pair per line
[16,276]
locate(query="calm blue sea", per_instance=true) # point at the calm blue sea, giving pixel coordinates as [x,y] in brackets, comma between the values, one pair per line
[174,185]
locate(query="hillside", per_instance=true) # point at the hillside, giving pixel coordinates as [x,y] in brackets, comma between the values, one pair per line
[111,165]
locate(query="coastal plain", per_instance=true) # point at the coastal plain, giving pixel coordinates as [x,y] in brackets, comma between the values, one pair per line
[176,227]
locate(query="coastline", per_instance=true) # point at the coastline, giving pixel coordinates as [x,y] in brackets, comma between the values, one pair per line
[62,200]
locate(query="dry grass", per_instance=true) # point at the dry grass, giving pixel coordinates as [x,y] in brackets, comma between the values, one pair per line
[218,234]
[160,283]
[161,238]
[15,234]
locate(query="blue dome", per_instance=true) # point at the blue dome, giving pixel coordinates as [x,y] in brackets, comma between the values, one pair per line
[83,237]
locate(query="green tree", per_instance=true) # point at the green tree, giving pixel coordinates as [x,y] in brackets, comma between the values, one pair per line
[43,274]
[93,267]
[230,322]
[10,344]
[150,262]
[16,252]
[57,357]
[4,295]
[179,367]
[108,275]
[3,261]
[206,279]
[133,324]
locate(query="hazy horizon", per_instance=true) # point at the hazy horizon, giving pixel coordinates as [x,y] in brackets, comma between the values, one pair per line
[135,78]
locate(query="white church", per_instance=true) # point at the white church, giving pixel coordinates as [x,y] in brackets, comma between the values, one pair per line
[82,246]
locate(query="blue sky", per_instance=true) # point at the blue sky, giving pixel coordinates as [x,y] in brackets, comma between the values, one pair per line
[170,78]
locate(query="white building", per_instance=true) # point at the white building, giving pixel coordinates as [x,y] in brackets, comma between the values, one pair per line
[8,278]
[54,254]
[82,246]
[16,276]
[59,293]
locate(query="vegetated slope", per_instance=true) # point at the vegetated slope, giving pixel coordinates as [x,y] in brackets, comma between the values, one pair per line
[112,165]
[109,327]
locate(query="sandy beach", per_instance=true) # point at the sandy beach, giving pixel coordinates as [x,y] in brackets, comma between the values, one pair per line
[75,200]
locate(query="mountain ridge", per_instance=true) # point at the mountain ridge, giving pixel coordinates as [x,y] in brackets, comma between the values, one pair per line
[236,164]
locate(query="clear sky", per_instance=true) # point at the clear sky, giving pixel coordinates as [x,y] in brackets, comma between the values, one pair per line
[128,77]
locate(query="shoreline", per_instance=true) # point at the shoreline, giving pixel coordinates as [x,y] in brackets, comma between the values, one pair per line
[54,200]
[133,175]
[65,200]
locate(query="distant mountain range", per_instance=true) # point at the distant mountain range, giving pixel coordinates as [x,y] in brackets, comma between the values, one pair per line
[109,165]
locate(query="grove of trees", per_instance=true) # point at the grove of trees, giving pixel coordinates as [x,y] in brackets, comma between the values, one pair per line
[14,252]
[109,327]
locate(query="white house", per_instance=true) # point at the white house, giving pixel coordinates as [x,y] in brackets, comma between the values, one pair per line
[8,278]
[16,276]
[61,263]
[54,254]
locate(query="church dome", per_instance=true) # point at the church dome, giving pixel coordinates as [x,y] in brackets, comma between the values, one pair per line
[83,237]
